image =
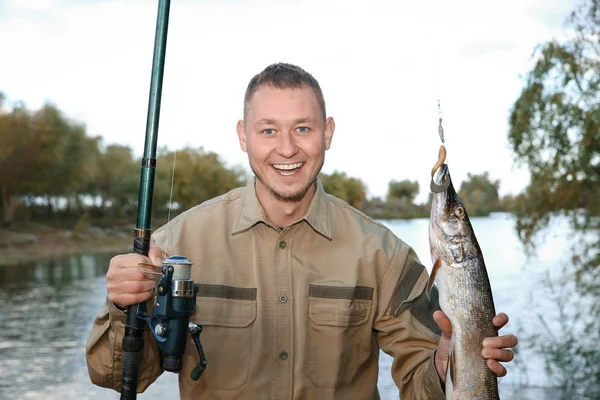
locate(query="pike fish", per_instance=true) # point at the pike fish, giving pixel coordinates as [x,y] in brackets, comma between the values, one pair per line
[464,292]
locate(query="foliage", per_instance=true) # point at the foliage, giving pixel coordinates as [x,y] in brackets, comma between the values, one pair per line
[18,152]
[479,194]
[402,190]
[352,190]
[199,176]
[117,180]
[555,131]
[48,159]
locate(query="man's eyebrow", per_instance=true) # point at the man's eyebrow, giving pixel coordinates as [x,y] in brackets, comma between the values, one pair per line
[268,121]
[265,121]
[305,120]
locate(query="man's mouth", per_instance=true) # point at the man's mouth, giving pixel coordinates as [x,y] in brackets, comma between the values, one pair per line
[288,169]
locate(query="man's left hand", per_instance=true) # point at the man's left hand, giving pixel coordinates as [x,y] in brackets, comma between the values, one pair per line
[495,349]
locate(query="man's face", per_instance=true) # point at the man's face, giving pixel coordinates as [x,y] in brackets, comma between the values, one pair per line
[285,136]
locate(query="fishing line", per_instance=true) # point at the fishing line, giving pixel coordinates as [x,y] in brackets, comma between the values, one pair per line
[433,35]
[169,232]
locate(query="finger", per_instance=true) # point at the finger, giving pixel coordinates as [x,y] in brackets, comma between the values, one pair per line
[125,300]
[125,273]
[500,342]
[498,354]
[156,255]
[128,260]
[443,322]
[132,287]
[496,368]
[500,320]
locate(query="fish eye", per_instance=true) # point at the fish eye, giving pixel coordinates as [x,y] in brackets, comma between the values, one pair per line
[459,212]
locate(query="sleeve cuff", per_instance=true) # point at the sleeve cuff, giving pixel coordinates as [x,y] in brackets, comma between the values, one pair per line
[432,382]
[116,313]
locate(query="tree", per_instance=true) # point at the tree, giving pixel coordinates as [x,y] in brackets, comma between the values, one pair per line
[479,194]
[351,190]
[117,180]
[403,190]
[64,166]
[555,131]
[199,175]
[18,152]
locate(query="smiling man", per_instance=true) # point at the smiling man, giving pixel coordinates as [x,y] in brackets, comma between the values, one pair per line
[298,291]
[285,133]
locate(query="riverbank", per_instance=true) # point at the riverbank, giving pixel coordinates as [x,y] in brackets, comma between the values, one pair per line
[42,242]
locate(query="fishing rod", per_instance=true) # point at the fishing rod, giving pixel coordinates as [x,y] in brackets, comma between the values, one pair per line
[176,292]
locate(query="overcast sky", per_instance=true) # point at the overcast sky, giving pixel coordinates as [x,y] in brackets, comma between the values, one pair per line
[382,65]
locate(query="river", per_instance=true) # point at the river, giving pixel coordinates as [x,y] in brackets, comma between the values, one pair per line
[48,307]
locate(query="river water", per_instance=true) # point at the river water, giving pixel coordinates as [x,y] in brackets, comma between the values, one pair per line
[48,308]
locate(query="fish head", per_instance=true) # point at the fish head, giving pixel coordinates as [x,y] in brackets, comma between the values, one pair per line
[451,235]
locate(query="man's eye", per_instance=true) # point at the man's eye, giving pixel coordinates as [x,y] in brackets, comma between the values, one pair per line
[302,129]
[269,131]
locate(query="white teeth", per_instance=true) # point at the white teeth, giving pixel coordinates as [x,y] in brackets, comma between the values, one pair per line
[287,167]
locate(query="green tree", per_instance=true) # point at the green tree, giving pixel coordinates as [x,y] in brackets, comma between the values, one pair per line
[351,190]
[479,194]
[18,153]
[42,154]
[555,132]
[199,175]
[117,180]
[404,190]
[64,166]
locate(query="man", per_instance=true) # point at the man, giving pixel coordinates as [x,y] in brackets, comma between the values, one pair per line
[304,289]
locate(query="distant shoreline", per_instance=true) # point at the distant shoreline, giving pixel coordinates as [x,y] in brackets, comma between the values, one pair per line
[44,243]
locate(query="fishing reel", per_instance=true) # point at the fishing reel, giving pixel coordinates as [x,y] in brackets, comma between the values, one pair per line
[169,323]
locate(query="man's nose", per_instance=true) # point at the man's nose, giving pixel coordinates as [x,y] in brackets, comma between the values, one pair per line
[287,145]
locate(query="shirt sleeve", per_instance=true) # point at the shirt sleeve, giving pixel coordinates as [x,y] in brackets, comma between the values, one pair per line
[405,327]
[104,351]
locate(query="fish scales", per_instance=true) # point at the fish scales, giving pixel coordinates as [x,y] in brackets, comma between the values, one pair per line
[464,291]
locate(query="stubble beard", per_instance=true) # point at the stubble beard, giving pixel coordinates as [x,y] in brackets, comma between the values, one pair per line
[294,197]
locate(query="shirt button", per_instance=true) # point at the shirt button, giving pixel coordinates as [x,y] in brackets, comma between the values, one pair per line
[282,298]
[283,355]
[282,244]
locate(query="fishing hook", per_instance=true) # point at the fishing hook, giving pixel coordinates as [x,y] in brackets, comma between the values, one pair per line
[445,184]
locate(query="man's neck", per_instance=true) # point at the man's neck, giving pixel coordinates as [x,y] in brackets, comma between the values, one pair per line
[280,212]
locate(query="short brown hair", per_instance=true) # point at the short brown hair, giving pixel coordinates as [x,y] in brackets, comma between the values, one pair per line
[284,76]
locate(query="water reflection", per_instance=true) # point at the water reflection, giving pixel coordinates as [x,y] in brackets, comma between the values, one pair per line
[47,309]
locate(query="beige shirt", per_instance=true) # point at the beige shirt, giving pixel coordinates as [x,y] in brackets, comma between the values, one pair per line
[293,313]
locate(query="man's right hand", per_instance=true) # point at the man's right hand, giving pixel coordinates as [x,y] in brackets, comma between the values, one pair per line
[126,284]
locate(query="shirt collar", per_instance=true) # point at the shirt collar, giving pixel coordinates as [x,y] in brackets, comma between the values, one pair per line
[252,212]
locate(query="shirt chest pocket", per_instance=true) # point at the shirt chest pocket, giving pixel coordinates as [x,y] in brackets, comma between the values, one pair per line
[338,333]
[227,314]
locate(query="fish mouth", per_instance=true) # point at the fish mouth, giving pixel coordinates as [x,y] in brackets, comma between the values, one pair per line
[440,182]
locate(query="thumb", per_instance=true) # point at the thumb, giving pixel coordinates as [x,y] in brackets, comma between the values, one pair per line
[441,355]
[444,323]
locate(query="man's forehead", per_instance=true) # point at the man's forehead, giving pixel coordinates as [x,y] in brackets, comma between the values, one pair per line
[267,89]
[266,97]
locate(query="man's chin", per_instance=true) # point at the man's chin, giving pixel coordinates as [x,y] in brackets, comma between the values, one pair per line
[291,195]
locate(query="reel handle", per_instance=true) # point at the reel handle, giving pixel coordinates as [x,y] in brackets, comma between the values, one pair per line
[195,331]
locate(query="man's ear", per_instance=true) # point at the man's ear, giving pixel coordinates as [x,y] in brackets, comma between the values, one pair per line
[241,131]
[329,129]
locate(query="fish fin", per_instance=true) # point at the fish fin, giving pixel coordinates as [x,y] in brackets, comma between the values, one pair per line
[434,270]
